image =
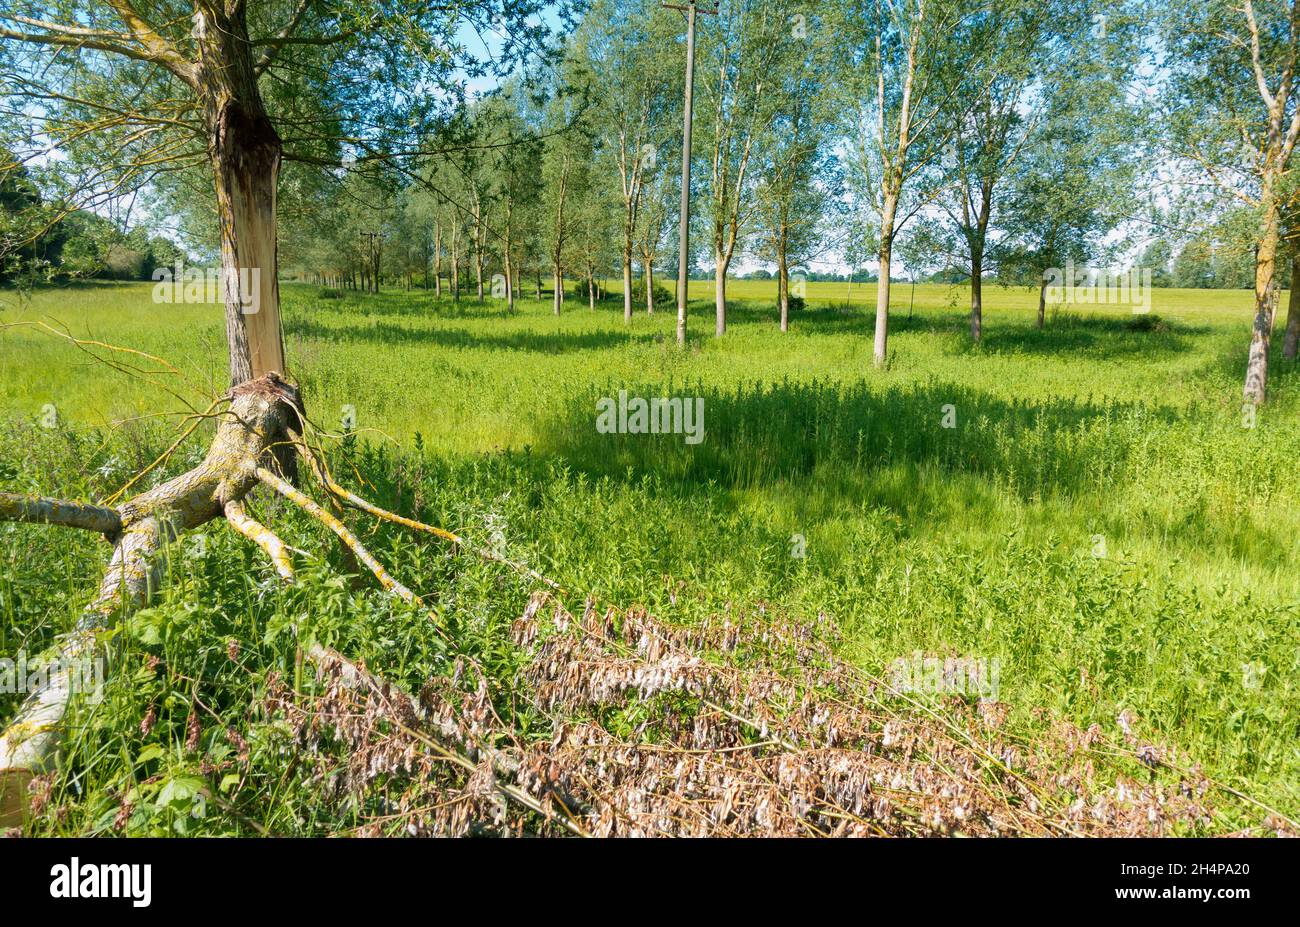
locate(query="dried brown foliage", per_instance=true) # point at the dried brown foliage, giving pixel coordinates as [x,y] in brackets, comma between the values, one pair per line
[743,726]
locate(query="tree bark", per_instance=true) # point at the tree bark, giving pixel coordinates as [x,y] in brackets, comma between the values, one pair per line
[509,267]
[437,260]
[783,280]
[627,286]
[976,292]
[887,218]
[244,153]
[1256,387]
[1042,302]
[720,294]
[455,262]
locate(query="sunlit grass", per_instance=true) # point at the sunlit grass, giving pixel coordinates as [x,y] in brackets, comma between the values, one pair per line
[1098,519]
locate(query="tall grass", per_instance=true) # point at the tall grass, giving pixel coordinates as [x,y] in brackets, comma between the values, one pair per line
[1098,518]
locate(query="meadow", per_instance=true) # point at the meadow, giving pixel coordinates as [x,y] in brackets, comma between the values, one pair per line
[1086,504]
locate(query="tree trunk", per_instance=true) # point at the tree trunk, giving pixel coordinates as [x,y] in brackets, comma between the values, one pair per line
[783,281]
[455,263]
[882,287]
[649,286]
[244,154]
[976,292]
[720,294]
[559,288]
[510,280]
[1042,302]
[1256,388]
[437,260]
[627,286]
[1292,340]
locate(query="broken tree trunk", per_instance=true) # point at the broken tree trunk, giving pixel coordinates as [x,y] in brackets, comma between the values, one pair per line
[244,152]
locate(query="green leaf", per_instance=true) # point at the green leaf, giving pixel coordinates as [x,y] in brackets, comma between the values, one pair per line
[149,754]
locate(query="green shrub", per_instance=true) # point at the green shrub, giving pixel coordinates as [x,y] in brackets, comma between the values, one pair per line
[1147,322]
[662,295]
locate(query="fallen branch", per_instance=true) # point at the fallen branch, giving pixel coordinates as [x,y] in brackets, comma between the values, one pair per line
[274,548]
[42,511]
[308,505]
[350,498]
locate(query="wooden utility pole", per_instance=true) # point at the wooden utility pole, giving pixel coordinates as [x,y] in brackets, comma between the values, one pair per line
[684,226]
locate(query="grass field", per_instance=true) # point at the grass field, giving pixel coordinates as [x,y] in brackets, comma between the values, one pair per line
[1099,520]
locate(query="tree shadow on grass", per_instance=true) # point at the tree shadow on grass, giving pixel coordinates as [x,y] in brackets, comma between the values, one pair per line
[830,451]
[415,303]
[1104,337]
[390,333]
[759,434]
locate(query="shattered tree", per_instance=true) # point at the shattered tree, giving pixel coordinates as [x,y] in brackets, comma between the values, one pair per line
[261,429]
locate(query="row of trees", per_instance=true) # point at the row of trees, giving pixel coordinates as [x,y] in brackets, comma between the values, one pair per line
[1004,137]
[993,137]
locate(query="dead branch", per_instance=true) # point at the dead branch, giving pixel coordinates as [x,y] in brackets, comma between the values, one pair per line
[259,413]
[262,536]
[42,511]
[323,476]
[308,505]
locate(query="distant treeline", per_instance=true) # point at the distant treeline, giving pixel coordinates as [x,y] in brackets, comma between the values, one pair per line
[42,245]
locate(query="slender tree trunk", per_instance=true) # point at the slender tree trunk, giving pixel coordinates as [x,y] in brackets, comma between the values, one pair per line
[1291,341]
[1256,388]
[976,292]
[559,288]
[783,280]
[510,275]
[437,260]
[881,348]
[1042,302]
[509,265]
[627,286]
[720,293]
[649,285]
[455,262]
